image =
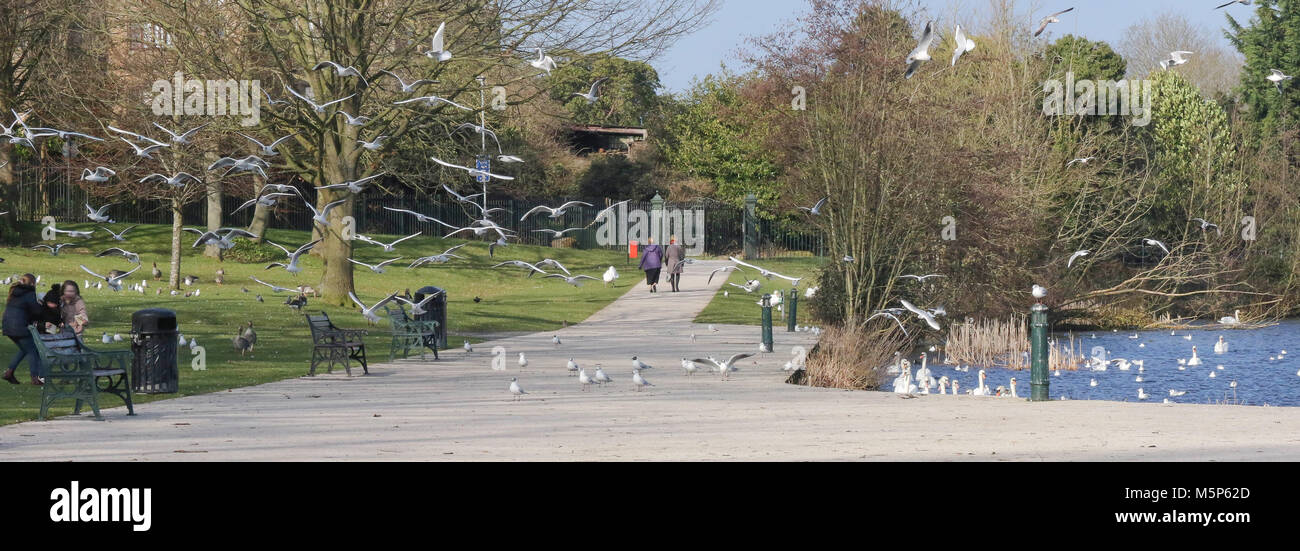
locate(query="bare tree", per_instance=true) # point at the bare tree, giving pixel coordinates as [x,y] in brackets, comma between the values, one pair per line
[1213,68]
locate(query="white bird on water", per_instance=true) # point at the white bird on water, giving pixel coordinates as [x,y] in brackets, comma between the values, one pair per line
[1195,359]
[1142,394]
[1234,319]
[1221,346]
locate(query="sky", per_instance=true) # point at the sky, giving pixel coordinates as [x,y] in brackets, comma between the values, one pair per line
[703,52]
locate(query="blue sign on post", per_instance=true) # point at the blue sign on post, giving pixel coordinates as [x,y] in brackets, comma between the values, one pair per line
[484,164]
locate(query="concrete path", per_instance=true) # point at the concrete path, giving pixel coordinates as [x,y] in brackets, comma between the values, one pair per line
[460,409]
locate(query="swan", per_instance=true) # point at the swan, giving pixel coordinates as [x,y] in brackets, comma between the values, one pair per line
[1195,360]
[1176,393]
[1143,345]
[925,386]
[923,374]
[1092,382]
[1221,346]
[943,384]
[1187,337]
[1219,367]
[903,384]
[956,384]
[1214,374]
[982,390]
[1138,380]
[1142,394]
[1123,364]
[1056,373]
[1234,319]
[1013,388]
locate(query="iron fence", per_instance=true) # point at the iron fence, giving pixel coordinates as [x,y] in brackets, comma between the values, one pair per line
[59,192]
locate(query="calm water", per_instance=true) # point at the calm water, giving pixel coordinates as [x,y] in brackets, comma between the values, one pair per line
[1259,380]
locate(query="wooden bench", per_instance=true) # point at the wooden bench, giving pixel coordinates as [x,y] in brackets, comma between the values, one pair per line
[333,345]
[409,333]
[74,370]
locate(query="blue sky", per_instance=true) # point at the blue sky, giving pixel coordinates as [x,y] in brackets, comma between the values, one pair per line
[703,52]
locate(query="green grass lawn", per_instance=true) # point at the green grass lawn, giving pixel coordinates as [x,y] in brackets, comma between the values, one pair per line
[510,302]
[741,308]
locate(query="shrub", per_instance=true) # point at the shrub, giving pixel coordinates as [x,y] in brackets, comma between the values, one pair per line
[248,252]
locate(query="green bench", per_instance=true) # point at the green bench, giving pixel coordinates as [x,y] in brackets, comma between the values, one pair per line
[74,370]
[332,345]
[410,333]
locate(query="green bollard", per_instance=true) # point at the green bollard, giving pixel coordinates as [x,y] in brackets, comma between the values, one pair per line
[1038,378]
[792,310]
[767,321]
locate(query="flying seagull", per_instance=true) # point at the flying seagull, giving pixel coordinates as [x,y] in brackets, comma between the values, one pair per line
[552,263]
[351,120]
[388,247]
[342,71]
[267,200]
[117,251]
[437,45]
[1076,256]
[54,250]
[183,137]
[1277,78]
[266,150]
[1157,244]
[921,53]
[177,180]
[118,236]
[99,214]
[921,278]
[816,209]
[319,108]
[543,62]
[417,308]
[251,163]
[292,267]
[143,151]
[575,281]
[472,171]
[321,215]
[431,101]
[556,234]
[1206,225]
[459,197]
[1081,160]
[376,268]
[964,45]
[554,212]
[766,273]
[408,88]
[1042,25]
[355,186]
[521,264]
[221,237]
[274,288]
[1242,2]
[480,130]
[1175,59]
[375,145]
[114,280]
[592,95]
[101,174]
[368,312]
[890,315]
[421,217]
[923,314]
[723,367]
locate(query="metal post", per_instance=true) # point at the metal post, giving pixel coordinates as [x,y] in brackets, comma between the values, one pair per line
[767,322]
[792,310]
[751,227]
[1038,378]
[656,218]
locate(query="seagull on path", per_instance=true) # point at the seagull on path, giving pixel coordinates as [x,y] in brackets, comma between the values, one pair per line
[638,380]
[515,389]
[724,367]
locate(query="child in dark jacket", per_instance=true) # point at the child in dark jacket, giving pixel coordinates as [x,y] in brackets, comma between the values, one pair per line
[22,309]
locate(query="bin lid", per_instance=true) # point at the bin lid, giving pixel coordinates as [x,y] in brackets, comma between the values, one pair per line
[429,291]
[152,313]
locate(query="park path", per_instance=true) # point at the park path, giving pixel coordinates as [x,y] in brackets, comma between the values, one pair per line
[459,409]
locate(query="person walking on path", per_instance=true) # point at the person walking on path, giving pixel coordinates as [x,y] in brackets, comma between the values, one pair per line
[674,259]
[22,309]
[651,262]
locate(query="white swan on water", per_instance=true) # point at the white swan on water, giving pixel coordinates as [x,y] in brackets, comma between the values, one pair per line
[1142,394]
[1195,360]
[1221,346]
[982,390]
[923,374]
[1092,382]
[1234,319]
[943,384]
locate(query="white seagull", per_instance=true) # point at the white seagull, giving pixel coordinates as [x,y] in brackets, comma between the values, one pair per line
[177,180]
[723,367]
[921,53]
[437,45]
[292,266]
[114,280]
[376,268]
[1076,256]
[543,62]
[388,247]
[592,96]
[964,45]
[554,212]
[472,171]
[1054,18]
[101,174]
[408,88]
[319,108]
[355,186]
[264,149]
[183,137]
[341,70]
[368,312]
[99,214]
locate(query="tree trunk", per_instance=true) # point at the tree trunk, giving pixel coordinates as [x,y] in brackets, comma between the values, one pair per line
[261,213]
[10,204]
[174,279]
[337,281]
[214,217]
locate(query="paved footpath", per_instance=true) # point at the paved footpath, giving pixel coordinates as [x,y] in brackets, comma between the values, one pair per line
[459,409]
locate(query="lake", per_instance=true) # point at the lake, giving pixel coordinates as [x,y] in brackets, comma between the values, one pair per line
[1260,381]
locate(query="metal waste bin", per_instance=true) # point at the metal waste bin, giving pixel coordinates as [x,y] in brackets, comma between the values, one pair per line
[435,310]
[154,338]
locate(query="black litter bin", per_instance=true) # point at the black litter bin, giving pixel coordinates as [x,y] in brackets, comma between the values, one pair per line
[154,338]
[435,310]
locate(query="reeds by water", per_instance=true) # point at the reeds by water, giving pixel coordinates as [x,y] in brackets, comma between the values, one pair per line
[1005,343]
[853,357]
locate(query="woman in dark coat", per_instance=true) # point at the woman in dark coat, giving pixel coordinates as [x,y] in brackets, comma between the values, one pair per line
[652,261]
[22,309]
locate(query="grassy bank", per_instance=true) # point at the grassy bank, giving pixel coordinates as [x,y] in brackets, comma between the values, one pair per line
[509,301]
[732,305]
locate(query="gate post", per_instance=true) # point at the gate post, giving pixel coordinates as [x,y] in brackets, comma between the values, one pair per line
[792,306]
[1038,379]
[767,322]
